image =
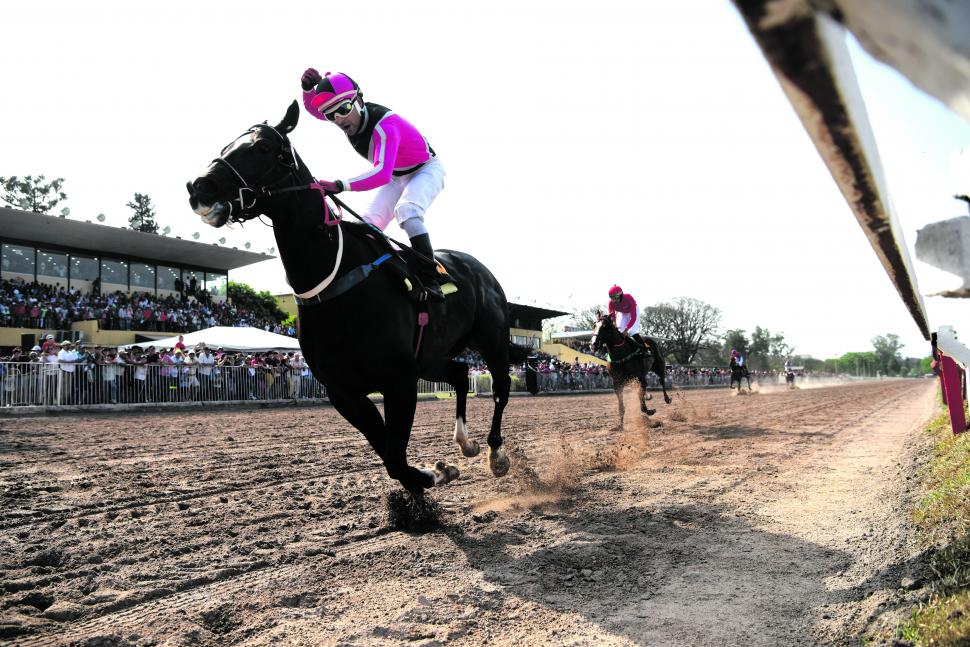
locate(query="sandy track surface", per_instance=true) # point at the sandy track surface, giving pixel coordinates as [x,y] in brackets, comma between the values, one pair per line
[764,519]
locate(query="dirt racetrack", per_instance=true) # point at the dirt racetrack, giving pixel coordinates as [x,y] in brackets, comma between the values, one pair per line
[775,518]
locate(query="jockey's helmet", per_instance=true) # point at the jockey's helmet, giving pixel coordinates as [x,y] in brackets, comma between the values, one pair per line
[332,90]
[616,291]
[735,353]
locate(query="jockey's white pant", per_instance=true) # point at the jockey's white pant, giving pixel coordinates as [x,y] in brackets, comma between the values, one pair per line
[623,318]
[406,198]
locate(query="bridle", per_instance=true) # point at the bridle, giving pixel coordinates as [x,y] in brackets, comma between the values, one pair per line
[247,195]
[621,343]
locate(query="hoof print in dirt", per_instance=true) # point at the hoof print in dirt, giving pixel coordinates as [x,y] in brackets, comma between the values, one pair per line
[410,513]
[485,517]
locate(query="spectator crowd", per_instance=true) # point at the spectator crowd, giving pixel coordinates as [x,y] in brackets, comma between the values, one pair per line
[39,305]
[66,373]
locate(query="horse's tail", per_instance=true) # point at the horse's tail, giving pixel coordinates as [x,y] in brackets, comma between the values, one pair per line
[518,354]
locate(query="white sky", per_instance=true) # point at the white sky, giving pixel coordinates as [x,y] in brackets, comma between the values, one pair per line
[644,143]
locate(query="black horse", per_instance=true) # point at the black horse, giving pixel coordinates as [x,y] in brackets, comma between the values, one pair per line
[359,330]
[739,372]
[790,378]
[629,361]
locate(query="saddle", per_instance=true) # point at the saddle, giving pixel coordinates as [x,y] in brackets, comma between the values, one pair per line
[409,265]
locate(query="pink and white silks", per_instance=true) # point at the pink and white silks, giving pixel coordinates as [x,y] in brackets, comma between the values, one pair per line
[405,169]
[626,314]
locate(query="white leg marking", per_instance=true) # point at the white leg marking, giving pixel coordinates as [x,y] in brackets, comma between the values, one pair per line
[469,448]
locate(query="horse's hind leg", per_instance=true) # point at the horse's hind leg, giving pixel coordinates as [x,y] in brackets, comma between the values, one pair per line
[497,360]
[643,397]
[456,374]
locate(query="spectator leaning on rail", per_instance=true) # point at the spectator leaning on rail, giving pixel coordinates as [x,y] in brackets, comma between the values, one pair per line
[624,312]
[406,171]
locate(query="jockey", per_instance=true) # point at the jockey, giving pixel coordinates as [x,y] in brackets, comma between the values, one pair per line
[736,356]
[407,174]
[788,365]
[625,306]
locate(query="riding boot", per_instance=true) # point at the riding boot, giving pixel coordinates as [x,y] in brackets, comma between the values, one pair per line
[638,339]
[428,273]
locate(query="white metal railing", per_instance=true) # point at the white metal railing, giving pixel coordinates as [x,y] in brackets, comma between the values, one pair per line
[53,384]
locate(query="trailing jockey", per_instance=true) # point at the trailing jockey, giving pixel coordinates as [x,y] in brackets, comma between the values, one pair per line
[407,174]
[625,314]
[737,357]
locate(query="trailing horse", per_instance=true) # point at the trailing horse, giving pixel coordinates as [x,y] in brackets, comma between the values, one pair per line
[360,331]
[739,372]
[790,379]
[629,361]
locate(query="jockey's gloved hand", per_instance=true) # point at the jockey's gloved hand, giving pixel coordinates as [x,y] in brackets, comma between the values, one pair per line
[309,79]
[332,187]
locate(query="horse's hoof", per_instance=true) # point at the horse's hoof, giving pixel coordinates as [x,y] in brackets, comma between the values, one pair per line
[471,450]
[441,473]
[667,399]
[650,412]
[648,397]
[498,462]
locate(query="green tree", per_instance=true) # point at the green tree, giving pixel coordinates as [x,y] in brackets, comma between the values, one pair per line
[32,194]
[261,304]
[767,350]
[887,349]
[737,340]
[685,326]
[855,363]
[926,365]
[143,218]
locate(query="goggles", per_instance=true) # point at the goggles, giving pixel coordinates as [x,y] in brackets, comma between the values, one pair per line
[342,110]
[616,297]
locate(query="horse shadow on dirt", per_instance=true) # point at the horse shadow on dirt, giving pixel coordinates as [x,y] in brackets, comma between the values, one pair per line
[671,575]
[726,432]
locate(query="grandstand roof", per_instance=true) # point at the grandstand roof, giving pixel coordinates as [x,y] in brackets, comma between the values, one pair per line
[534,312]
[40,229]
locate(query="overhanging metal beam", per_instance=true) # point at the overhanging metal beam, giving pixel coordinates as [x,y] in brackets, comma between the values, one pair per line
[809,57]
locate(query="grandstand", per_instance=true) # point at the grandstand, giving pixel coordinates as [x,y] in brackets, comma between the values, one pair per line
[96,259]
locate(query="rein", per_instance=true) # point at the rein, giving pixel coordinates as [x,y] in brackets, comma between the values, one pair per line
[249,193]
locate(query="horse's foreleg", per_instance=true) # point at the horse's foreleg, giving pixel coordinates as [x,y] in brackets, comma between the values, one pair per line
[618,389]
[400,403]
[360,412]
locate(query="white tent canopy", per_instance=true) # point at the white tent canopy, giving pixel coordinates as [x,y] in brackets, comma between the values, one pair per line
[227,338]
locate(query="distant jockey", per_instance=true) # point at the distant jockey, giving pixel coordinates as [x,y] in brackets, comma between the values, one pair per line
[406,172]
[736,356]
[788,365]
[625,314]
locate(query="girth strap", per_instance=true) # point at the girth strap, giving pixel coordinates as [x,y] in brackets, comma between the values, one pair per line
[344,283]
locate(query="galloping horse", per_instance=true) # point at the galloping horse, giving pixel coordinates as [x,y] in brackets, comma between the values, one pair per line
[739,372]
[628,362]
[790,378]
[359,331]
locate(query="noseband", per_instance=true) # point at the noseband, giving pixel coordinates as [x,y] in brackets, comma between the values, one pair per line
[253,193]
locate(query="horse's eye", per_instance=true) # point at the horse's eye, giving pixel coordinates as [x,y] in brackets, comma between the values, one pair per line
[262,146]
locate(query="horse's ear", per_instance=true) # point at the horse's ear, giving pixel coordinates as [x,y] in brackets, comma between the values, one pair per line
[289,121]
